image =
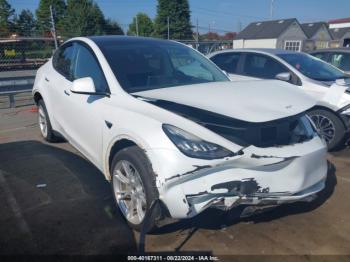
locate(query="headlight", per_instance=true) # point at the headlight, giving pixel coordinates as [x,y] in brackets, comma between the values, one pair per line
[193,146]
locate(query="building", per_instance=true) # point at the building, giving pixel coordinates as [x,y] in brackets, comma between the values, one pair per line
[318,35]
[340,30]
[284,33]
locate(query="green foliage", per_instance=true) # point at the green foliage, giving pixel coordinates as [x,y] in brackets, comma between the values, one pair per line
[145,25]
[6,17]
[84,17]
[112,28]
[179,19]
[25,23]
[43,14]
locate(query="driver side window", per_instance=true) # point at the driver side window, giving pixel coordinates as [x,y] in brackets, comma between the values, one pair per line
[86,65]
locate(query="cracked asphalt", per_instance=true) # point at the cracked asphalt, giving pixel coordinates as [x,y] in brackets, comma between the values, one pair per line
[53,201]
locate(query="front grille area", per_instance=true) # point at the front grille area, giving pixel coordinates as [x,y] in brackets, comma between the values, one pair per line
[280,132]
[286,131]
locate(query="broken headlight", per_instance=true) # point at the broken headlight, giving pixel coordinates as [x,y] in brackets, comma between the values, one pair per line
[193,146]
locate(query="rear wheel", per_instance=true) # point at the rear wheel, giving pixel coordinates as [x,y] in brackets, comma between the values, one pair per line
[134,188]
[329,126]
[44,123]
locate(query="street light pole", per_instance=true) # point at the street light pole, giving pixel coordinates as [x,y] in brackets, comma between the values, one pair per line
[137,26]
[168,29]
[271,8]
[53,29]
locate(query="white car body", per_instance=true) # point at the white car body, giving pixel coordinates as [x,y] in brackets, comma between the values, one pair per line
[187,185]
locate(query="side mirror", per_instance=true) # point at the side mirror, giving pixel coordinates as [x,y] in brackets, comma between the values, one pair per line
[83,85]
[285,76]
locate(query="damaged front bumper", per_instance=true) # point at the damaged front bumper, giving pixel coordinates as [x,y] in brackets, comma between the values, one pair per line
[261,176]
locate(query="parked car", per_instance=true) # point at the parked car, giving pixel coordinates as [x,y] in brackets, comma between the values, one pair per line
[325,83]
[339,57]
[161,133]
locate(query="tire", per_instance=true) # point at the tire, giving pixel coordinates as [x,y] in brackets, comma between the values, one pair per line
[44,123]
[136,160]
[329,126]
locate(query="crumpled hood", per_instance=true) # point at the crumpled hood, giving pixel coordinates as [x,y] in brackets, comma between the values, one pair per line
[253,101]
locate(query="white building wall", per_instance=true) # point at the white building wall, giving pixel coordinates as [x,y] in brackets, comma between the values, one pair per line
[339,25]
[254,43]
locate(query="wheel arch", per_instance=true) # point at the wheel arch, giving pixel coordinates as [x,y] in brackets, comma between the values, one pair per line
[118,144]
[37,97]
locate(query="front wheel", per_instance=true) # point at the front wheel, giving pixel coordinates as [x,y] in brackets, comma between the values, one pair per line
[44,123]
[329,126]
[134,188]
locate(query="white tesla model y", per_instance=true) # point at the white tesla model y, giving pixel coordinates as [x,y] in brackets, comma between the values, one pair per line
[165,125]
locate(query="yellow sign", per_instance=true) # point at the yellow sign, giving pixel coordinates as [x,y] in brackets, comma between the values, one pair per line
[11,52]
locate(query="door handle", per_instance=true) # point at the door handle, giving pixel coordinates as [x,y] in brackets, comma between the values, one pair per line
[46,79]
[66,93]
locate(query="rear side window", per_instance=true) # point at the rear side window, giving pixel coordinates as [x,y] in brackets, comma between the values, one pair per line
[262,66]
[86,65]
[63,61]
[322,56]
[227,61]
[341,60]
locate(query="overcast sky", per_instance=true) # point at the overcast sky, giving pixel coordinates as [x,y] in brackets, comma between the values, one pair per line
[221,15]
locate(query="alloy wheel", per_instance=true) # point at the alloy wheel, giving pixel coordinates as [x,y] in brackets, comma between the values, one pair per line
[129,192]
[42,121]
[325,127]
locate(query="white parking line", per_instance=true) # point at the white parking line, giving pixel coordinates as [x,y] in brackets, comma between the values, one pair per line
[344,178]
[14,206]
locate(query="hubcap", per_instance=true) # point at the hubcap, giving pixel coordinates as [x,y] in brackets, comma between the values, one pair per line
[42,121]
[325,127]
[129,192]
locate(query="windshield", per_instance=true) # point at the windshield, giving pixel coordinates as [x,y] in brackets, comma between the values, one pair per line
[312,67]
[150,64]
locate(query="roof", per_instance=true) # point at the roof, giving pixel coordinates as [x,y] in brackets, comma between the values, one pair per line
[310,29]
[266,29]
[338,33]
[326,50]
[124,39]
[272,51]
[339,21]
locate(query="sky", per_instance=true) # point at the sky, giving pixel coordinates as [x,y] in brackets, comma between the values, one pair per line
[221,15]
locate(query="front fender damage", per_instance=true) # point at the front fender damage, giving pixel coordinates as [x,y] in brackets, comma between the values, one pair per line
[254,178]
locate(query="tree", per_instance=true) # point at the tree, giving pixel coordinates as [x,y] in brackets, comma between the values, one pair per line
[6,17]
[25,23]
[44,16]
[112,28]
[178,13]
[145,25]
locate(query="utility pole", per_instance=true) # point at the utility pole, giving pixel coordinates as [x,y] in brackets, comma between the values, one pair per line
[168,29]
[197,34]
[137,26]
[271,8]
[53,29]
[209,27]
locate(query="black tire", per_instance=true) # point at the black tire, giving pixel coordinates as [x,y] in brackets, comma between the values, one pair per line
[139,160]
[49,135]
[339,129]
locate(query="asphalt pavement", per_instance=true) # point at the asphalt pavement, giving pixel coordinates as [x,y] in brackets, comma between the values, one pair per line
[55,202]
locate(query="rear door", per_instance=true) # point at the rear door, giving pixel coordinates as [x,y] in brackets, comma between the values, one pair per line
[84,113]
[59,81]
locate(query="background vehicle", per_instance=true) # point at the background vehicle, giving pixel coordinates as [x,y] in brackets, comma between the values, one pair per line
[146,113]
[339,57]
[331,115]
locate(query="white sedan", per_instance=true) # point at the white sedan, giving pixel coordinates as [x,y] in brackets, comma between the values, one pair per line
[166,126]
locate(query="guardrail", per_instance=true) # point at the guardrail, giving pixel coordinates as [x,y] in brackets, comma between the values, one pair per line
[12,86]
[11,95]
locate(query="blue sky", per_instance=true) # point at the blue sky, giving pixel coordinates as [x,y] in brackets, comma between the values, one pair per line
[221,15]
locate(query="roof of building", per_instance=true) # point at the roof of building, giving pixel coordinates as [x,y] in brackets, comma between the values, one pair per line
[310,29]
[338,33]
[339,21]
[266,29]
